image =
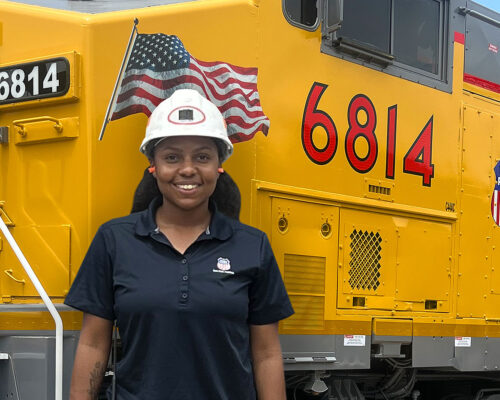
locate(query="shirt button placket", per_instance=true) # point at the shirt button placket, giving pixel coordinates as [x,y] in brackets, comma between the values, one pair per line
[184,280]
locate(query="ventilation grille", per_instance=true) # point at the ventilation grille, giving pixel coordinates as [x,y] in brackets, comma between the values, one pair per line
[304,278]
[304,274]
[386,191]
[309,313]
[365,256]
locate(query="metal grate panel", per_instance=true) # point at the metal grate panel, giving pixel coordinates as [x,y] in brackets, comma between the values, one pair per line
[365,257]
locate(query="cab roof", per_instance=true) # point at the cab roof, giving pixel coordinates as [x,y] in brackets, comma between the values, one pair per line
[98,6]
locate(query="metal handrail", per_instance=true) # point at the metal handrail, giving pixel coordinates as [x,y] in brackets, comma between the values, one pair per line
[48,303]
[478,15]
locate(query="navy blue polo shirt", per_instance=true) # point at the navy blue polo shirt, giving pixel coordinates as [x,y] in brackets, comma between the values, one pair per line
[183,318]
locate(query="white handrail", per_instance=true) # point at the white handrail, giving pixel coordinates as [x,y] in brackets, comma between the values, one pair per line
[48,303]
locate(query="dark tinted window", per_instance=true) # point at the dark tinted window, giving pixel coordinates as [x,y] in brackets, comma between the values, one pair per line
[368,22]
[302,12]
[482,54]
[416,33]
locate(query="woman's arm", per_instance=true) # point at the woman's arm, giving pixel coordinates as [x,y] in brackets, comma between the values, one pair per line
[267,362]
[91,357]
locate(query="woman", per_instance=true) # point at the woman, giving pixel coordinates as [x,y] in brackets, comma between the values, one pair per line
[196,295]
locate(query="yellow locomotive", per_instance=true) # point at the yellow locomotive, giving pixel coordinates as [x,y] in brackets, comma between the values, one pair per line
[377,181]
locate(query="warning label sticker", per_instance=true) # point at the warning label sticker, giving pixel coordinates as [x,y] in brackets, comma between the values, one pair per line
[463,341]
[354,340]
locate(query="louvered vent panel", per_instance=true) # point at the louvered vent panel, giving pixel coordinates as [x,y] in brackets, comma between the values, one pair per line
[386,191]
[305,281]
[364,266]
[309,313]
[304,274]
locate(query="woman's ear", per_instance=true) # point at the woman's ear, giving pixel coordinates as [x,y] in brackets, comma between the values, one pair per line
[152,168]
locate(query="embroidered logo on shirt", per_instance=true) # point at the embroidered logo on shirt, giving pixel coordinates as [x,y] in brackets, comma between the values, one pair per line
[223,266]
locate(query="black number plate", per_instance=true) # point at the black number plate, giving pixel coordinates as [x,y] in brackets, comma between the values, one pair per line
[35,80]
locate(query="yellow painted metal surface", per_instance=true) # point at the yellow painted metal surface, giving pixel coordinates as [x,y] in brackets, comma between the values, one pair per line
[360,252]
[38,129]
[381,264]
[49,256]
[36,321]
[308,266]
[478,282]
[392,327]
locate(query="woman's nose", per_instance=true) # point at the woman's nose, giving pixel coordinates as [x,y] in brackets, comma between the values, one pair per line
[187,168]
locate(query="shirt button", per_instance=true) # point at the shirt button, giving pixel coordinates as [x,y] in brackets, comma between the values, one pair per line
[184,295]
[185,278]
[184,261]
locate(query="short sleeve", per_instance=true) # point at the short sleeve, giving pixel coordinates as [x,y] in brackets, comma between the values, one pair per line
[92,289]
[269,300]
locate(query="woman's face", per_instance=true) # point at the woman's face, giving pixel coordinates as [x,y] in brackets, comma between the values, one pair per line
[186,170]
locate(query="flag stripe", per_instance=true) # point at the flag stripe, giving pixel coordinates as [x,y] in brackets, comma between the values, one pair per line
[247,87]
[165,84]
[221,73]
[156,77]
[162,80]
[132,109]
[236,69]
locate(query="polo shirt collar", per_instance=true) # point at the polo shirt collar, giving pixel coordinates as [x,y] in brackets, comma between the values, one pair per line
[219,228]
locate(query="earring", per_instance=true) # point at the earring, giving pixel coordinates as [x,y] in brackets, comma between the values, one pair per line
[220,170]
[152,169]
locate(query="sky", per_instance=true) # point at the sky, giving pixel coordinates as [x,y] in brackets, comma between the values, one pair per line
[493,4]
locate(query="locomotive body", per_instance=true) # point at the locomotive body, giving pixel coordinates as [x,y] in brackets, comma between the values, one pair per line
[376,182]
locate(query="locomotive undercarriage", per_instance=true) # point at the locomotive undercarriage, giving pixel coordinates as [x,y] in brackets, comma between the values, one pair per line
[390,379]
[393,377]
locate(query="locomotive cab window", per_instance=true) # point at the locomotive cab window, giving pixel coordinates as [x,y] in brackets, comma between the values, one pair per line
[417,33]
[301,13]
[369,29]
[406,38]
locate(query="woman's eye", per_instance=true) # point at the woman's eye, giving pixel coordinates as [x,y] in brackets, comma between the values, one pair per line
[171,157]
[203,157]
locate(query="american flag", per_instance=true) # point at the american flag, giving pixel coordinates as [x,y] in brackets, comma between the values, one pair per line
[159,64]
[495,198]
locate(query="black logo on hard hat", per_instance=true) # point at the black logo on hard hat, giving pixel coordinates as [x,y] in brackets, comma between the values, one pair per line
[185,115]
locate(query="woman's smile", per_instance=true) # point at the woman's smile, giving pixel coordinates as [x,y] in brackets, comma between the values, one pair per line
[187,187]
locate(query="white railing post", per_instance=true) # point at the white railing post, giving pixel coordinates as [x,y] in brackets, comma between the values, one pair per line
[48,303]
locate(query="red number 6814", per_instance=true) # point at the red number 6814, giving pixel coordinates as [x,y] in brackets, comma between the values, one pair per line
[417,160]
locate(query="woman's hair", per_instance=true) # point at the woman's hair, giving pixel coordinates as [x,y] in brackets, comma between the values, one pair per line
[226,195]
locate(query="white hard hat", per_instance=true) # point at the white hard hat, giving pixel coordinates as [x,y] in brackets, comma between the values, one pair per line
[187,113]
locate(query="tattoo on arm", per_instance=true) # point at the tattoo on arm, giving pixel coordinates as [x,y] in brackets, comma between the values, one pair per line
[95,379]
